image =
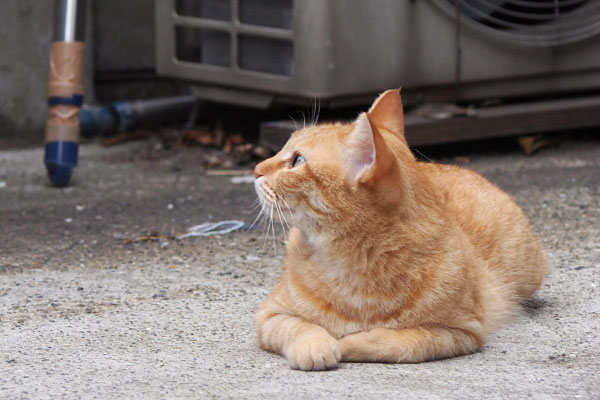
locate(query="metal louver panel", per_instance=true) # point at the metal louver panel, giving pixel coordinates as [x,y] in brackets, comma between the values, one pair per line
[539,23]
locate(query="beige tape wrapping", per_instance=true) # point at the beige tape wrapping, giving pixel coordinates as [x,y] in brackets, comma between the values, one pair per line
[62,124]
[66,69]
[60,133]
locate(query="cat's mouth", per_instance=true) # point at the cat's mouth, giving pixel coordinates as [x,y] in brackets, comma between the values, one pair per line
[265,193]
[271,202]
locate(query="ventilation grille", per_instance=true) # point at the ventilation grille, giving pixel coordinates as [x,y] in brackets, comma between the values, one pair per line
[540,23]
[242,35]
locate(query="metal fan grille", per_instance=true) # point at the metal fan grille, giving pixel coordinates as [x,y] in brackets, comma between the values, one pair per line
[539,23]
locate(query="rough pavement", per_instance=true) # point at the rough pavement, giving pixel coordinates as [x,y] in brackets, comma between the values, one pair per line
[87,313]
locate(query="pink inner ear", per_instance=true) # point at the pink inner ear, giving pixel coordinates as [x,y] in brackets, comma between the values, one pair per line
[361,149]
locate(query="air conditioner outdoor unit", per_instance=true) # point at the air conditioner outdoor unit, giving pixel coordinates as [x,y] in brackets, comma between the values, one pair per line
[261,52]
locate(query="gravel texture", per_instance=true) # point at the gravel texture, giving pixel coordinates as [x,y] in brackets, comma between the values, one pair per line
[85,312]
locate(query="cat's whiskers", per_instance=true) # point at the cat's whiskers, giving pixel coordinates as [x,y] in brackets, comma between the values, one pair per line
[281,219]
[254,206]
[268,222]
[289,210]
[316,110]
[262,210]
[264,202]
[286,222]
[282,215]
[268,227]
[423,155]
[294,122]
[272,204]
[273,228]
[303,118]
[280,208]
[256,202]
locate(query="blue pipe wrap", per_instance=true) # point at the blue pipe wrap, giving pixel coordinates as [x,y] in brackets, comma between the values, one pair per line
[60,159]
[128,115]
[123,116]
[75,100]
[97,120]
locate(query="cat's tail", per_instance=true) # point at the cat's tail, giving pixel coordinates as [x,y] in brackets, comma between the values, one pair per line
[535,268]
[499,299]
[503,298]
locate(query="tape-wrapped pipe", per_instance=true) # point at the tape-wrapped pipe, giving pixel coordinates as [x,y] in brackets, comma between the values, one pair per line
[65,91]
[66,70]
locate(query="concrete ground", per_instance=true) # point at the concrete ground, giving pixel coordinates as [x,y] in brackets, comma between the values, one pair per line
[85,312]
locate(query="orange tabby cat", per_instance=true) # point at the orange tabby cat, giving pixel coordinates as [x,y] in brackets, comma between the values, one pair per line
[390,259]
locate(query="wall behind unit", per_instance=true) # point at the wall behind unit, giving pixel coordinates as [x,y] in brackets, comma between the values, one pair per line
[25,36]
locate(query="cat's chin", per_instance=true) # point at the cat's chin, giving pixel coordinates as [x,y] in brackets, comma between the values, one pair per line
[306,225]
[297,216]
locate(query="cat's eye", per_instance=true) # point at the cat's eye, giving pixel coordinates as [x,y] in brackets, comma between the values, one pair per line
[297,160]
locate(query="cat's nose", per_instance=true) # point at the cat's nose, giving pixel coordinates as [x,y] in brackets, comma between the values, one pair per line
[257,172]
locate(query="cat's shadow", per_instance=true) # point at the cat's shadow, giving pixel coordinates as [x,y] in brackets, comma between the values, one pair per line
[535,306]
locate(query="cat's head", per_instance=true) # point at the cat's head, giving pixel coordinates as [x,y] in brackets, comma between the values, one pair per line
[335,175]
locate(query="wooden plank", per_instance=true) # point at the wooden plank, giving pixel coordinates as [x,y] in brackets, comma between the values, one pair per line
[274,134]
[490,122]
[506,120]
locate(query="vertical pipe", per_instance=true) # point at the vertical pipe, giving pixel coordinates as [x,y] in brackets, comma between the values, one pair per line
[458,55]
[65,91]
[69,21]
[235,23]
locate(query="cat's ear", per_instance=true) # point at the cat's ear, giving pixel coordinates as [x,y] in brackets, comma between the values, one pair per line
[387,113]
[361,151]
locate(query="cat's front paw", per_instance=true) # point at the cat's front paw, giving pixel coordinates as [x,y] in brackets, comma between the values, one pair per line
[314,353]
[361,346]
